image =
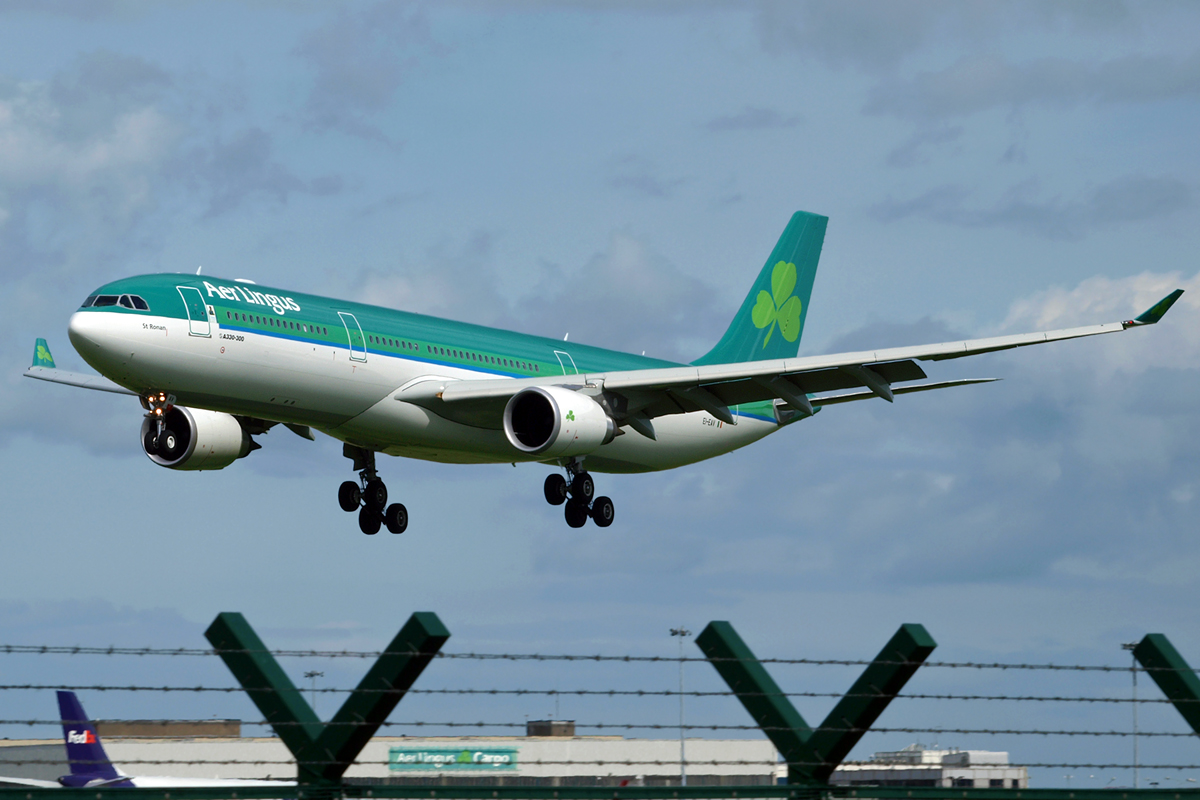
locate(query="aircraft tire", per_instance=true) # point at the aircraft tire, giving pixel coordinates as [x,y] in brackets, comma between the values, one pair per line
[602,512]
[396,518]
[376,495]
[583,487]
[168,445]
[150,442]
[349,496]
[576,514]
[555,489]
[369,521]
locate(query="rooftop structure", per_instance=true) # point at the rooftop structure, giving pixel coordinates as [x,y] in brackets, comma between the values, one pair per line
[917,765]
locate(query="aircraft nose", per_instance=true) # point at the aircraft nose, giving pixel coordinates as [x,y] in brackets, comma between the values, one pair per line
[84,330]
[94,335]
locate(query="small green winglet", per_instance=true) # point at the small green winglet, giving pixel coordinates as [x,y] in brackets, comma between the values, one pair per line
[41,355]
[1158,309]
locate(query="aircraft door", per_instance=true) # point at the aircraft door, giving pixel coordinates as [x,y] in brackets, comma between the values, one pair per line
[564,359]
[197,311]
[358,342]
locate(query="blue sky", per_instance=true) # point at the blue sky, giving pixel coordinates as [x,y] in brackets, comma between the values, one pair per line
[618,172]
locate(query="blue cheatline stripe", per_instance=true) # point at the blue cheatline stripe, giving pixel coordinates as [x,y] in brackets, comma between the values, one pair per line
[754,416]
[433,361]
[436,362]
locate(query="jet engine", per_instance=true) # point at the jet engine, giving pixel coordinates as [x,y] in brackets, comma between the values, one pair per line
[551,421]
[193,438]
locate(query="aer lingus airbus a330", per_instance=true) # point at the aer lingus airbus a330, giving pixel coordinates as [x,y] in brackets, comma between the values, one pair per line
[217,362]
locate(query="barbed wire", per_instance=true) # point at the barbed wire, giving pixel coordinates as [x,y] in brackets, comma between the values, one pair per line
[112,650]
[626,726]
[326,690]
[673,763]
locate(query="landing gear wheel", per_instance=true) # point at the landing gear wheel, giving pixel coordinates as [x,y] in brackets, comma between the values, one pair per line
[602,512]
[150,442]
[396,518]
[169,445]
[582,487]
[349,496]
[369,521]
[576,514]
[556,489]
[375,495]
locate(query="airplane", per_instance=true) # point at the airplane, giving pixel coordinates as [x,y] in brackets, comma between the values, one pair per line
[216,362]
[92,768]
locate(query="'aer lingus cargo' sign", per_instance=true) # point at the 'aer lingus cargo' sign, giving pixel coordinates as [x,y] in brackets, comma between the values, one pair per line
[424,758]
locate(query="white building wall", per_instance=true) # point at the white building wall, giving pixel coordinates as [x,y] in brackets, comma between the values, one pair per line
[537,757]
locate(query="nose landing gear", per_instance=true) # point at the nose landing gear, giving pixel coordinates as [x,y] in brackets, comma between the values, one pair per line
[160,439]
[577,493]
[369,497]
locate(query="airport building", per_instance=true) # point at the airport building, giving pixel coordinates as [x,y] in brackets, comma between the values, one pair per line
[916,765]
[549,755]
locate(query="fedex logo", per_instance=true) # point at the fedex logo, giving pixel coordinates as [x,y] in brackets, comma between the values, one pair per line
[81,737]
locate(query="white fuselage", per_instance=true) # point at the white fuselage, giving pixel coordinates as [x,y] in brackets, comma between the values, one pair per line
[277,377]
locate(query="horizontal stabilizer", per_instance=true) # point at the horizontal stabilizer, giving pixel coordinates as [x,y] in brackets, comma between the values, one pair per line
[80,379]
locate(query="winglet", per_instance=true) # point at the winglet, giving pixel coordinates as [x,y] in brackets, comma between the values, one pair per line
[41,355]
[1156,311]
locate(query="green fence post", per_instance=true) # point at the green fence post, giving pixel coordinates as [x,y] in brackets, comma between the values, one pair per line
[881,681]
[1172,674]
[761,697]
[379,691]
[269,687]
[812,756]
[324,752]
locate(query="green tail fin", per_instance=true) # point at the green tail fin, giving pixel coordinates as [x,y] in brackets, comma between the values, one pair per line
[41,354]
[769,323]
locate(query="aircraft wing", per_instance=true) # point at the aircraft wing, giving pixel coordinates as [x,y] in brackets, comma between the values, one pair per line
[30,782]
[634,397]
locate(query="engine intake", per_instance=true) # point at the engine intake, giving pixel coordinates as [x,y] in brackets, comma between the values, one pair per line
[203,440]
[552,421]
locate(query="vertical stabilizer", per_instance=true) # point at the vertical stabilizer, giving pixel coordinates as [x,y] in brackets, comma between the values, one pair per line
[85,754]
[41,355]
[771,319]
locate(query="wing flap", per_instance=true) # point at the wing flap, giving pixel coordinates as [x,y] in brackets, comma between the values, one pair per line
[849,397]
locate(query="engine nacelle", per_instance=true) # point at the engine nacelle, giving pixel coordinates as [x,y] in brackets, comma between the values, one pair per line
[204,439]
[551,421]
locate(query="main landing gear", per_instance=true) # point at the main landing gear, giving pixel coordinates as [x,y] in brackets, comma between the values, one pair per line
[369,497]
[576,491]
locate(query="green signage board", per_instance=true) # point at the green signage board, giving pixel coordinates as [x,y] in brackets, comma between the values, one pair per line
[444,758]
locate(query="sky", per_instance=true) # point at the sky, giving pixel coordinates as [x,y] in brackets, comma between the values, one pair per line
[617,172]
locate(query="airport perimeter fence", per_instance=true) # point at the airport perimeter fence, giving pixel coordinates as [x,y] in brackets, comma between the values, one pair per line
[731,694]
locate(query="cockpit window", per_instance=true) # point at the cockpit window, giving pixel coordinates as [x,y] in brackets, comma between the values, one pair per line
[105,300]
[126,301]
[88,303]
[139,303]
